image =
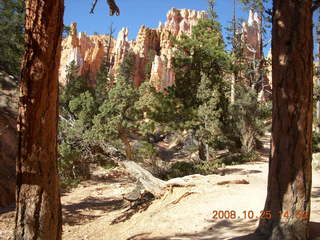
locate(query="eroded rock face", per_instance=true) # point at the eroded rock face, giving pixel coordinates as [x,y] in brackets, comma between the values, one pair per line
[152,49]
[179,21]
[252,35]
[86,51]
[146,46]
[121,49]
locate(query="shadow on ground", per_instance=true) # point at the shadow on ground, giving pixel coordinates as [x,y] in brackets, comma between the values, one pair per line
[86,210]
[217,232]
[240,171]
[10,208]
[315,192]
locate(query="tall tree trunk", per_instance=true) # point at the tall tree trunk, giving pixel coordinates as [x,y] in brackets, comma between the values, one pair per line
[289,181]
[38,208]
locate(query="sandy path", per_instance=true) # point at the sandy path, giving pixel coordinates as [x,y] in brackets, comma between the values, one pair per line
[192,217]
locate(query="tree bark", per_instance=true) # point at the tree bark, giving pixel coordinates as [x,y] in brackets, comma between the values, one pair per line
[38,208]
[289,181]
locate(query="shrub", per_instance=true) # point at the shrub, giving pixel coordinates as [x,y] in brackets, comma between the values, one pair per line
[315,142]
[72,167]
[248,119]
[180,169]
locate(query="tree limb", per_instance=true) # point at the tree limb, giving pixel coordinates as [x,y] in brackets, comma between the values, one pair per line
[113,8]
[316,5]
[94,3]
[112,5]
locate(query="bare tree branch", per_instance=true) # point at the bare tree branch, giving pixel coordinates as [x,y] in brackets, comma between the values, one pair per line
[316,5]
[112,5]
[94,3]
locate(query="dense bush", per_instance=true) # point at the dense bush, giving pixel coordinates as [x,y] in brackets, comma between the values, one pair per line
[248,119]
[315,142]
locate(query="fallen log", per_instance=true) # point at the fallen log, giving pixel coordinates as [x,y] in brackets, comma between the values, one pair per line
[145,180]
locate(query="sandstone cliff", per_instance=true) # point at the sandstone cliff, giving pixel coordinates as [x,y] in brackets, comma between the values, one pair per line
[86,51]
[152,49]
[252,35]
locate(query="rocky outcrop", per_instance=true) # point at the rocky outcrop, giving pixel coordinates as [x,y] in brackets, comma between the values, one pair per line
[181,21]
[152,49]
[178,22]
[87,52]
[252,35]
[121,49]
[145,47]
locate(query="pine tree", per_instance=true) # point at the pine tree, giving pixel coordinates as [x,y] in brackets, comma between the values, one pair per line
[117,115]
[11,31]
[201,63]
[38,208]
[290,173]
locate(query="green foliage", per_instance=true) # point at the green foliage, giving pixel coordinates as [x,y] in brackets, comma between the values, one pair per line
[145,150]
[162,110]
[77,106]
[248,118]
[75,86]
[12,38]
[201,63]
[257,5]
[117,114]
[180,169]
[66,31]
[126,70]
[201,54]
[83,108]
[315,142]
[104,82]
[213,111]
[71,168]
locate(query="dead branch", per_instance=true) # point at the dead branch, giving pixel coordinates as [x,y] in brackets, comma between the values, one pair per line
[316,5]
[181,197]
[112,6]
[94,3]
[242,181]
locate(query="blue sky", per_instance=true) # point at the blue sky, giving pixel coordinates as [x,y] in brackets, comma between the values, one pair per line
[134,13]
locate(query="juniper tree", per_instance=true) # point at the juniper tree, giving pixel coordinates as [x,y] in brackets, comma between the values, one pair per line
[201,63]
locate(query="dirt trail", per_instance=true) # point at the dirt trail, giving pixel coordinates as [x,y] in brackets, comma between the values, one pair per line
[192,216]
[90,209]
